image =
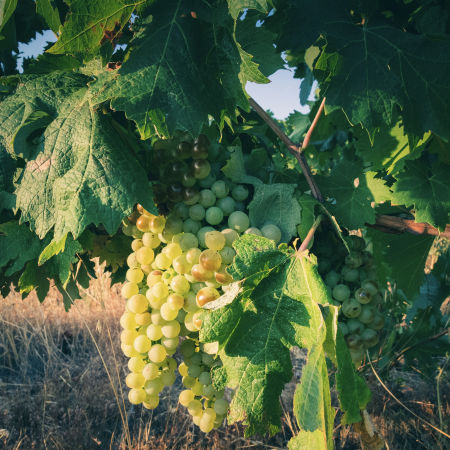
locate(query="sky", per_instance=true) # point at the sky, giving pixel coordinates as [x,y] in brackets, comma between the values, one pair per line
[281,95]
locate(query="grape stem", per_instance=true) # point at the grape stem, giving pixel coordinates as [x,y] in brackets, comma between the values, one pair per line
[295,150]
[304,245]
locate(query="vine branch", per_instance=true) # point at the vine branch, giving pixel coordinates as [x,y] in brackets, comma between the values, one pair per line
[295,150]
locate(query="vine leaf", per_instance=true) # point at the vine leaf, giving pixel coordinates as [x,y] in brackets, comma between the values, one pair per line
[353,192]
[83,171]
[276,311]
[89,24]
[276,204]
[389,254]
[234,168]
[48,10]
[236,6]
[185,63]
[6,11]
[428,191]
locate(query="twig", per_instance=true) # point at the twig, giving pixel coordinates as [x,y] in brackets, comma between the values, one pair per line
[310,235]
[295,150]
[397,224]
[401,403]
[308,134]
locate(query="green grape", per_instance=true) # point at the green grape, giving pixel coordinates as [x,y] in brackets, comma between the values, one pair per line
[230,236]
[351,308]
[128,350]
[272,232]
[188,381]
[188,240]
[206,423]
[191,226]
[143,224]
[221,406]
[172,250]
[239,193]
[153,387]
[135,275]
[154,332]
[180,285]
[208,390]
[151,402]
[222,277]
[162,262]
[184,150]
[343,327]
[160,290]
[181,210]
[200,273]
[197,212]
[145,255]
[206,295]
[204,378]
[135,380]
[137,304]
[332,278]
[168,276]
[354,326]
[353,341]
[151,240]
[187,348]
[220,189]
[137,244]
[186,397]
[214,215]
[357,355]
[240,206]
[171,329]
[168,378]
[190,303]
[227,254]
[136,396]
[181,265]
[193,255]
[207,198]
[197,389]
[189,322]
[194,371]
[253,230]
[128,336]
[128,321]
[356,242]
[215,240]
[238,221]
[175,192]
[341,292]
[183,369]
[210,260]
[363,296]
[188,179]
[157,224]
[167,313]
[132,261]
[369,337]
[201,168]
[367,314]
[157,353]
[191,196]
[354,260]
[195,359]
[377,322]
[157,318]
[201,234]
[208,181]
[227,205]
[194,407]
[129,289]
[150,371]
[350,275]
[142,344]
[175,301]
[370,287]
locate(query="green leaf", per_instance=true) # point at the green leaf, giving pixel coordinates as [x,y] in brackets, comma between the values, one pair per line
[18,245]
[353,192]
[307,440]
[83,170]
[48,62]
[236,6]
[48,10]
[34,278]
[276,204]
[7,8]
[234,168]
[426,189]
[307,205]
[184,65]
[52,249]
[90,24]
[389,251]
[298,124]
[257,331]
[61,263]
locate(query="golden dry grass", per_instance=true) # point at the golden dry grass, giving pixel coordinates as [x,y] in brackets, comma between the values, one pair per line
[61,387]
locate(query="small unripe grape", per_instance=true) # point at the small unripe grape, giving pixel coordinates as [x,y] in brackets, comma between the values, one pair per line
[129,289]
[221,406]
[186,397]
[227,254]
[377,322]
[355,326]
[154,277]
[205,378]
[167,313]
[157,353]
[175,301]
[183,369]
[367,314]
[136,364]
[207,359]
[182,210]
[332,278]
[351,308]
[160,290]
[157,224]
[354,260]
[191,226]
[128,350]
[207,198]
[197,212]
[253,230]
[238,221]
[135,380]
[194,407]
[210,260]
[341,292]
[154,332]
[180,285]
[128,321]
[151,401]
[220,189]
[344,328]
[206,295]
[162,261]
[272,232]
[171,329]
[135,275]
[145,255]
[157,318]
[215,240]
[239,193]
[369,337]
[370,287]
[128,336]
[353,341]
[188,240]
[193,255]
[142,344]
[363,296]
[357,355]
[202,234]
[206,423]
[227,205]
[153,387]
[190,303]
[170,344]
[214,215]
[136,396]
[188,381]
[168,378]
[136,244]
[194,371]
[350,275]
[150,371]
[137,304]
[143,319]
[230,236]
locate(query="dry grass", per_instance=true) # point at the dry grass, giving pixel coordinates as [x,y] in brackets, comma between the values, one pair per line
[56,393]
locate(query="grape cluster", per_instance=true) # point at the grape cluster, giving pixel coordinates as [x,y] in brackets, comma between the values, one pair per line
[178,265]
[354,286]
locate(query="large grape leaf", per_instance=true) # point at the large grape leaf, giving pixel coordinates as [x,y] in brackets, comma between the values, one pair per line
[259,328]
[389,251]
[89,24]
[236,6]
[353,193]
[48,10]
[185,63]
[83,170]
[370,68]
[7,8]
[425,188]
[276,204]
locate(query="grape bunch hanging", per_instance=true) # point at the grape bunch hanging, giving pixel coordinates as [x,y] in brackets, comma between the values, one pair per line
[177,265]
